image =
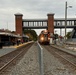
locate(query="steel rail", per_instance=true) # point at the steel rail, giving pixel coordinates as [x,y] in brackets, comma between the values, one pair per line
[64,57]
[8,63]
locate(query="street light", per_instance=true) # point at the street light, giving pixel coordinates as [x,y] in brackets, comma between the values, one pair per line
[66,16]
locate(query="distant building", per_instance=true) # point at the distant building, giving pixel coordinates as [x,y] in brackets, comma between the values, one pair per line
[7,37]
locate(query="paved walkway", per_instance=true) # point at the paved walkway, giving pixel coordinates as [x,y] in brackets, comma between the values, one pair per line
[8,49]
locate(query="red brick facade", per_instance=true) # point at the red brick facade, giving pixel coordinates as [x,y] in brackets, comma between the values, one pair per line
[18,23]
[51,23]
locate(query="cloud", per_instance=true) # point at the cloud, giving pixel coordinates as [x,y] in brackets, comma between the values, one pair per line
[33,9]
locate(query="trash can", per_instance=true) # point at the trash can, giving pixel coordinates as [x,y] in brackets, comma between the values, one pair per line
[1,44]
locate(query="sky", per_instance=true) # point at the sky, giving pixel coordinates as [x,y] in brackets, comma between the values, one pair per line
[33,9]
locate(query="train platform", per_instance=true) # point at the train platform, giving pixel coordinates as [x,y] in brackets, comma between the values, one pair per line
[71,50]
[8,49]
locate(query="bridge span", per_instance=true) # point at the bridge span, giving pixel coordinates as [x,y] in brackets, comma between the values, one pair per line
[50,23]
[43,23]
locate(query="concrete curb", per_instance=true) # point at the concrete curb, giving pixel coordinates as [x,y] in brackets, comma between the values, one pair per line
[65,50]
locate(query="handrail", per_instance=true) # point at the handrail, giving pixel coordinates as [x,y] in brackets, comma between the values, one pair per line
[40,59]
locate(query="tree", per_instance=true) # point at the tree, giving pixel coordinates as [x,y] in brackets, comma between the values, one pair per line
[32,34]
[68,35]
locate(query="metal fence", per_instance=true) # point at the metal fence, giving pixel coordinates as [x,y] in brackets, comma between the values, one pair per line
[40,59]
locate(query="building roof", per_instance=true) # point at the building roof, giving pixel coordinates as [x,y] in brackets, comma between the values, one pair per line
[9,34]
[25,36]
[17,14]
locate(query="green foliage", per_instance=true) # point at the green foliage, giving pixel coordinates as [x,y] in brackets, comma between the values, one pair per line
[68,35]
[32,34]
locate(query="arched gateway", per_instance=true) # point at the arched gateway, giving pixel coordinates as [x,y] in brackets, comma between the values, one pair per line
[22,24]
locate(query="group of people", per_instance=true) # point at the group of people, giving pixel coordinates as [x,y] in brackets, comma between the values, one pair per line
[19,41]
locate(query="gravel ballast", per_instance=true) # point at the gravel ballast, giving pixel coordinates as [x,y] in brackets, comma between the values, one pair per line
[54,66]
[29,64]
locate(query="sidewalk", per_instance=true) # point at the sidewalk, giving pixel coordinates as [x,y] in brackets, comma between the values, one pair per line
[8,49]
[63,48]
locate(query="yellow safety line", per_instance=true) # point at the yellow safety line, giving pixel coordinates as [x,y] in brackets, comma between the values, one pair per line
[21,44]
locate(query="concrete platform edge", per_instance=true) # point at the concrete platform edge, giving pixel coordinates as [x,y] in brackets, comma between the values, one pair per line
[65,50]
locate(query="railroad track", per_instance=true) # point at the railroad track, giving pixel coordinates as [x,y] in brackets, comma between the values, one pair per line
[10,58]
[67,59]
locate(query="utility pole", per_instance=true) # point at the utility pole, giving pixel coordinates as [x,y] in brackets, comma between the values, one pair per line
[66,16]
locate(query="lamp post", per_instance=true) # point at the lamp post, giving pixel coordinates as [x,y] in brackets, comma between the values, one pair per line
[66,17]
